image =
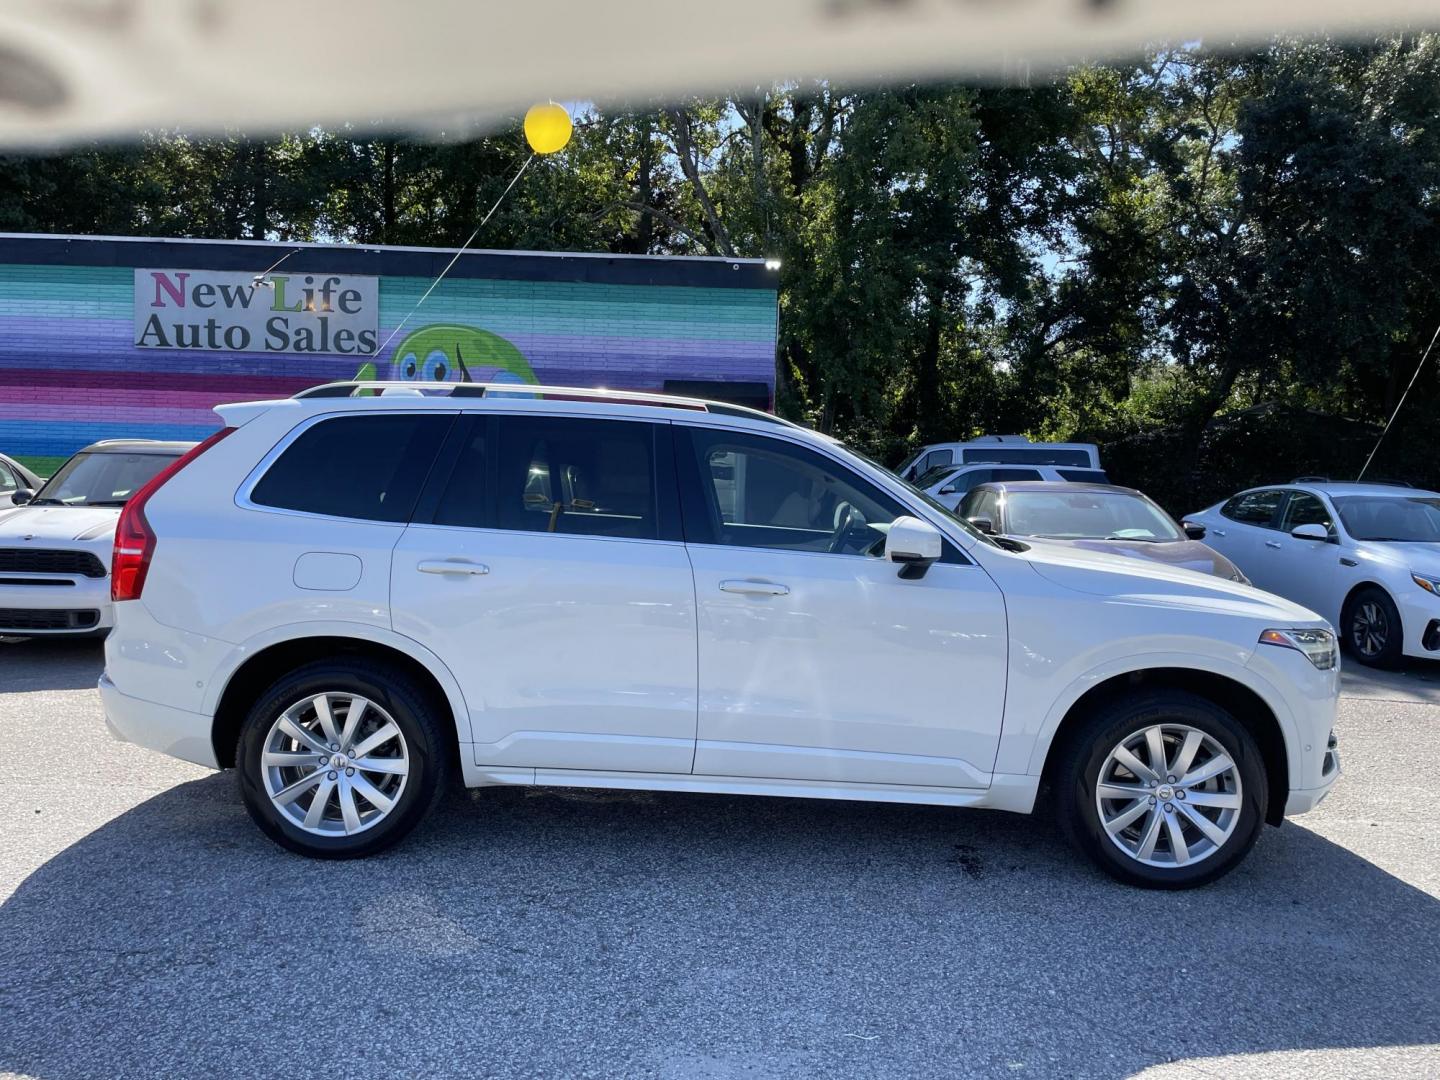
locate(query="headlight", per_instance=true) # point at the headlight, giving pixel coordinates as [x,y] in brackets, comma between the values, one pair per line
[1429,584]
[1317,645]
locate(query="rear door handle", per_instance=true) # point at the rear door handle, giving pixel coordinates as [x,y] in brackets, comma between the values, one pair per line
[755,588]
[451,566]
[1272,543]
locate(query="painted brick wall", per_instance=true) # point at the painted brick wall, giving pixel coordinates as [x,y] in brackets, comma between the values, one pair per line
[69,373]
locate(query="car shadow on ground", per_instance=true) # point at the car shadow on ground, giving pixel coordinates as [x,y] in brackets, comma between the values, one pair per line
[545,933]
[50,663]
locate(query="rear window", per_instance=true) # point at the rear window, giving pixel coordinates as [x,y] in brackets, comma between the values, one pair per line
[368,467]
[1253,507]
[1083,476]
[1025,455]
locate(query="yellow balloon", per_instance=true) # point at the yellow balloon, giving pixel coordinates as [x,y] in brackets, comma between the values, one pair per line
[547,128]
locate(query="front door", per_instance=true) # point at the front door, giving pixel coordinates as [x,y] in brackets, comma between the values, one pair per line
[547,572]
[1304,570]
[817,660]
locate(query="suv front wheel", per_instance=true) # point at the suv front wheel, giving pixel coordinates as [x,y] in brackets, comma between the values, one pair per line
[339,759]
[1163,789]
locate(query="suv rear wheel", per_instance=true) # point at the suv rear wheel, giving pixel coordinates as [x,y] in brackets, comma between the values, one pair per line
[339,760]
[1163,789]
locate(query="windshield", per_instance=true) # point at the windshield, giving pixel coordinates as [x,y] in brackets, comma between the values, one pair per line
[1413,519]
[1087,515]
[100,479]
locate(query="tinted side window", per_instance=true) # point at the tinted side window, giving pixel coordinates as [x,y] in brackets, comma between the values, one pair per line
[1027,455]
[1305,509]
[1001,475]
[759,492]
[972,478]
[7,479]
[576,476]
[1254,507]
[369,467]
[1084,476]
[936,458]
[462,501]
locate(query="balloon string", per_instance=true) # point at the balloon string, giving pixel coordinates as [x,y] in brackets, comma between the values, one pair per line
[441,276]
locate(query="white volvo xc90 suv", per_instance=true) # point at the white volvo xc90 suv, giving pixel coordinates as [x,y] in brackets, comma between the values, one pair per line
[351,598]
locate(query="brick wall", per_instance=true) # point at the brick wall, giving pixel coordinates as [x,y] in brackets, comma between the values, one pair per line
[70,373]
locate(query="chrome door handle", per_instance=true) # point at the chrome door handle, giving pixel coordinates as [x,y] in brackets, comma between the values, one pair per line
[755,588]
[1272,543]
[451,566]
[1218,532]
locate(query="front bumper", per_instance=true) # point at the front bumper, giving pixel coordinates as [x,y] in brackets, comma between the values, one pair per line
[55,605]
[172,731]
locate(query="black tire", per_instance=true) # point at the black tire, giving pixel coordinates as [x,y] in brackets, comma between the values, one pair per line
[423,737]
[1121,719]
[1372,629]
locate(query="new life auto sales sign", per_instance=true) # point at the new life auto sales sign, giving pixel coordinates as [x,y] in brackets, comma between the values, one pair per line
[287,313]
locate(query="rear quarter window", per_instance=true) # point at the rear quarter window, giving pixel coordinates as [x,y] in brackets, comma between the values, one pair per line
[368,467]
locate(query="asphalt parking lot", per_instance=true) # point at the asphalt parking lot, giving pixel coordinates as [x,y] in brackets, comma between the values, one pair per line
[148,929]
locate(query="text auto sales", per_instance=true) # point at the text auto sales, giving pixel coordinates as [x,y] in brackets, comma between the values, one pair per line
[289,313]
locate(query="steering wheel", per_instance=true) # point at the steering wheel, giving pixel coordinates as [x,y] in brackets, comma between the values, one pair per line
[846,518]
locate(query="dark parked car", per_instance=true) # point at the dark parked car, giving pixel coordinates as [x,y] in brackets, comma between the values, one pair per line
[1100,517]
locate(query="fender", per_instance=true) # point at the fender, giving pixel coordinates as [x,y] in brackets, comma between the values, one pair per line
[379,635]
[1214,665]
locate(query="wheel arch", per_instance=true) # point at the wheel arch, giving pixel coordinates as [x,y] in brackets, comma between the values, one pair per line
[261,666]
[1241,701]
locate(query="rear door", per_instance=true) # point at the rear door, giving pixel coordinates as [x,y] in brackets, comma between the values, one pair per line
[1247,534]
[545,567]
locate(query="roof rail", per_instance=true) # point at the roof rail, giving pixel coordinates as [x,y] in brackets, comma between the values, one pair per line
[1311,480]
[1390,483]
[364,388]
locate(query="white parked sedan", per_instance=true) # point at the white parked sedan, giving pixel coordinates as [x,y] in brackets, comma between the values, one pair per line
[1365,556]
[55,545]
[352,599]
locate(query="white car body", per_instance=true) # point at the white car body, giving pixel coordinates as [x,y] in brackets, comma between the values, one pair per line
[54,569]
[1325,575]
[999,450]
[950,489]
[55,560]
[572,659]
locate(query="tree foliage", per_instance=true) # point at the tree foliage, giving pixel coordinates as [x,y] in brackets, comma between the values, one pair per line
[1155,254]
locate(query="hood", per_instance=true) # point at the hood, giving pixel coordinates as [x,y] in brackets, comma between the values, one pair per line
[69,523]
[1101,573]
[1185,554]
[1421,558]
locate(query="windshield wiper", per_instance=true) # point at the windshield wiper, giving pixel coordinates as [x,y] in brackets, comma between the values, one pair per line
[1134,539]
[1007,542]
[106,502]
[45,502]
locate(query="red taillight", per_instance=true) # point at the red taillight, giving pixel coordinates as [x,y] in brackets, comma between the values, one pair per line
[134,539]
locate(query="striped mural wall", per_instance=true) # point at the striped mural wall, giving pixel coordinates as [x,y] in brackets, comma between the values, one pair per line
[70,373]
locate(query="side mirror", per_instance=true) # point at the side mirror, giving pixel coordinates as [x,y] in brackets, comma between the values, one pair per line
[948,489]
[914,544]
[1193,530]
[1311,532]
[985,525]
[21,496]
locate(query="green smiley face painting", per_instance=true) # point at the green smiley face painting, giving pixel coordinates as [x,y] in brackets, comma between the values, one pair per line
[449,352]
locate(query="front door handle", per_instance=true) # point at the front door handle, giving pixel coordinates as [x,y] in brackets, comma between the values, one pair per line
[1347,562]
[451,566]
[755,588]
[1272,543]
[1218,532]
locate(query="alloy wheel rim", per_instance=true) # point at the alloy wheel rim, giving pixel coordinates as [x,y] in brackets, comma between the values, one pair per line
[1369,629]
[334,764]
[1169,796]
